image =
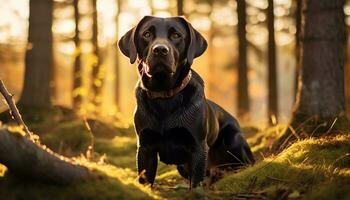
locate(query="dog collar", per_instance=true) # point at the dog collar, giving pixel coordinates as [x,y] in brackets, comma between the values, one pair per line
[171,92]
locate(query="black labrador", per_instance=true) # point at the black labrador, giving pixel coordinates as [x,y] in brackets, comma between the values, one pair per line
[173,119]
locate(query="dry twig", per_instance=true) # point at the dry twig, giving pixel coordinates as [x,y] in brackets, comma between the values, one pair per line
[13,108]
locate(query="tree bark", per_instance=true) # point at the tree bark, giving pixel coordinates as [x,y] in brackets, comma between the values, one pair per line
[117,64]
[38,59]
[272,70]
[347,87]
[180,7]
[26,159]
[320,101]
[298,9]
[347,74]
[96,78]
[242,84]
[77,71]
[210,52]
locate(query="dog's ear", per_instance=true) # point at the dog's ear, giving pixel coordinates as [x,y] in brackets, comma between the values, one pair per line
[127,43]
[197,43]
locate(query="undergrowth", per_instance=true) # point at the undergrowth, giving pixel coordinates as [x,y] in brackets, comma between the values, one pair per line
[314,168]
[311,169]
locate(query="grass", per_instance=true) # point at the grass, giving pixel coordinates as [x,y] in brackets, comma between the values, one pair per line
[308,169]
[261,141]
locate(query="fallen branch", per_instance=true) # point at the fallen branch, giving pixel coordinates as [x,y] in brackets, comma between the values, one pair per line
[28,159]
[13,109]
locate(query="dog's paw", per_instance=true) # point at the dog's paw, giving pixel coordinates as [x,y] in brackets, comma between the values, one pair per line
[142,177]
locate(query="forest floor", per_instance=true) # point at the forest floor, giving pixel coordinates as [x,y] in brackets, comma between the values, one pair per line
[308,169]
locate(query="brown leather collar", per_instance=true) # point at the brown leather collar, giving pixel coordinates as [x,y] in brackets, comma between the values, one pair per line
[169,93]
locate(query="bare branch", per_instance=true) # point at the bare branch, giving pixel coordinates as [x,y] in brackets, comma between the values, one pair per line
[13,108]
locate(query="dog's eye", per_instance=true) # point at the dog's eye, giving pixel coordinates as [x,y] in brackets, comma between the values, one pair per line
[175,35]
[146,34]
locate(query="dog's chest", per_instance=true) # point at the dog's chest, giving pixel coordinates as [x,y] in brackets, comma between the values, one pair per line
[162,114]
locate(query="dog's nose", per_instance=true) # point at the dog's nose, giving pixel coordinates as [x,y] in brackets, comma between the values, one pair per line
[160,50]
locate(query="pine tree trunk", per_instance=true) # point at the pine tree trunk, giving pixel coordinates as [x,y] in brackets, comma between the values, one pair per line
[210,53]
[97,80]
[298,12]
[272,70]
[347,86]
[38,60]
[117,63]
[320,104]
[347,74]
[242,84]
[180,7]
[77,71]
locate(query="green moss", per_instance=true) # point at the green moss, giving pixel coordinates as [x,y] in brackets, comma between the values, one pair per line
[119,151]
[70,138]
[115,183]
[111,182]
[262,141]
[342,124]
[330,191]
[303,126]
[307,164]
[109,129]
[314,168]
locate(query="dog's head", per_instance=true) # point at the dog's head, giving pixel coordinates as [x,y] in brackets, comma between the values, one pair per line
[166,48]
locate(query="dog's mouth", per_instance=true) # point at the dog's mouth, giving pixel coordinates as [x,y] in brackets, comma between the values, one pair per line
[158,70]
[145,70]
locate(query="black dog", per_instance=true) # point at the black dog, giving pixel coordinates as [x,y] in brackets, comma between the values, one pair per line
[173,118]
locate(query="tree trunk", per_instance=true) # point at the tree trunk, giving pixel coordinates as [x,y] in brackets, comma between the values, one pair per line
[210,53]
[97,79]
[117,64]
[297,43]
[347,86]
[320,104]
[26,159]
[242,84]
[77,71]
[347,74]
[180,7]
[38,60]
[272,71]
[150,3]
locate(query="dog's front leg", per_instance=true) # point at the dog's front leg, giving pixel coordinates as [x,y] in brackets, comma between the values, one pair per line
[147,164]
[198,165]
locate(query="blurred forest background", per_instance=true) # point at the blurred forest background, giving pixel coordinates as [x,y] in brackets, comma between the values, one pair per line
[90,75]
